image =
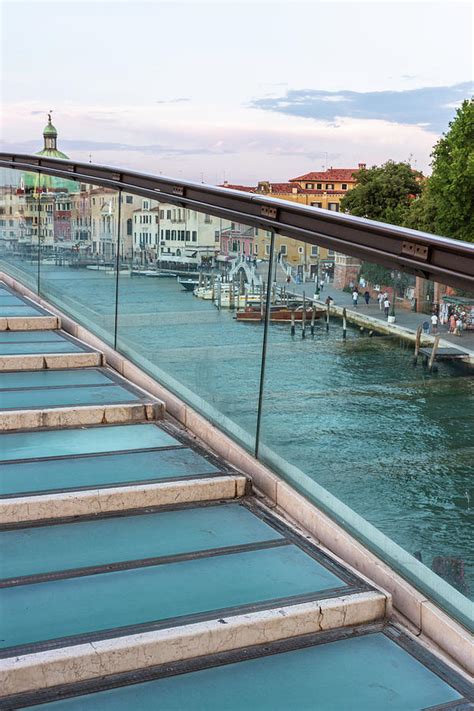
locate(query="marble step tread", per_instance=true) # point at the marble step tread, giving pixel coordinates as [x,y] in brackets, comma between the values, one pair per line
[35,350]
[79,396]
[18,313]
[370,667]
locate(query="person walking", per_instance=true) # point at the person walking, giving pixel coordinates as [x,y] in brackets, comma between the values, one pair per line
[367,297]
[380,299]
[452,323]
[386,306]
[434,324]
[355,297]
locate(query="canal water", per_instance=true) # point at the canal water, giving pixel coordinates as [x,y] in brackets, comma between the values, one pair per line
[390,441]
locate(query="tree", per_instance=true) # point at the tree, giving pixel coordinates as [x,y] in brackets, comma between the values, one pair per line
[447,205]
[383,193]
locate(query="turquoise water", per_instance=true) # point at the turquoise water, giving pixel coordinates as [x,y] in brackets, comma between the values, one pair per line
[393,443]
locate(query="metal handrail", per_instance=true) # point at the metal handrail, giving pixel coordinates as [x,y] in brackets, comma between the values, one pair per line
[429,256]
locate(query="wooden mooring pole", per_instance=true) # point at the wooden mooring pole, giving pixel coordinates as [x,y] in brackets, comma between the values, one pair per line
[417,344]
[313,319]
[262,296]
[292,330]
[433,353]
[327,317]
[344,324]
[303,318]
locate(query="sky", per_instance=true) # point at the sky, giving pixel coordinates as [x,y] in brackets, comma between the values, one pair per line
[238,91]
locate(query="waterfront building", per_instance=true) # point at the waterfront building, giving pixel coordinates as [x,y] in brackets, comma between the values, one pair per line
[145,232]
[12,222]
[188,236]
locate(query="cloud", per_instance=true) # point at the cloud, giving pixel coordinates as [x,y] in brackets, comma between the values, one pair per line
[173,101]
[97,146]
[432,107]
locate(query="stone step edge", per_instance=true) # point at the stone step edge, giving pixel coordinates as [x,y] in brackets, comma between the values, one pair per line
[43,507]
[81,415]
[29,323]
[35,361]
[68,665]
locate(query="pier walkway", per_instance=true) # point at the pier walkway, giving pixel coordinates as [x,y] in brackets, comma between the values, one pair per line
[139,571]
[406,321]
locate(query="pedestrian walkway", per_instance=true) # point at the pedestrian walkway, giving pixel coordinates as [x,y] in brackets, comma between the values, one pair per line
[405,318]
[138,570]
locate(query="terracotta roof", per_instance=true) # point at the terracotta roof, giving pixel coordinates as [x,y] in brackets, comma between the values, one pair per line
[284,187]
[244,188]
[333,174]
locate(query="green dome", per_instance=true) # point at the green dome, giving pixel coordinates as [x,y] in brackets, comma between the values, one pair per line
[32,181]
[49,130]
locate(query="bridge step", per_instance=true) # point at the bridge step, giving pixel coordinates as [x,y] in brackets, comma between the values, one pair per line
[35,350]
[373,667]
[18,313]
[65,398]
[82,599]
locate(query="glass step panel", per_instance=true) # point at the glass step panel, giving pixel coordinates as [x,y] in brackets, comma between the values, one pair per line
[54,378]
[39,348]
[87,440]
[369,672]
[102,470]
[59,397]
[63,608]
[45,549]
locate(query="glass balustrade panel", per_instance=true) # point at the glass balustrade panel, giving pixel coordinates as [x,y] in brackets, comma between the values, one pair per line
[79,253]
[346,410]
[183,276]
[20,224]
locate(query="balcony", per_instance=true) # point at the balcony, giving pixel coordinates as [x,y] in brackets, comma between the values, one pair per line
[261,486]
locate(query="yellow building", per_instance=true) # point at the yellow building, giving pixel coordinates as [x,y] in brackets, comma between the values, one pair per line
[323,190]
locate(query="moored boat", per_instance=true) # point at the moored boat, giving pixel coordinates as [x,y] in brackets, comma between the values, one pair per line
[280,314]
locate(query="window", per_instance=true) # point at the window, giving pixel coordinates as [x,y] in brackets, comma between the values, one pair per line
[255,249]
[329,186]
[300,250]
[316,204]
[344,186]
[283,250]
[128,199]
[314,250]
[173,234]
[309,186]
[168,214]
[167,234]
[162,214]
[145,204]
[216,236]
[334,206]
[207,219]
[319,186]
[267,249]
[330,253]
[188,235]
[195,236]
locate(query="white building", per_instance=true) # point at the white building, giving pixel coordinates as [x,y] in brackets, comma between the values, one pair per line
[145,232]
[188,236]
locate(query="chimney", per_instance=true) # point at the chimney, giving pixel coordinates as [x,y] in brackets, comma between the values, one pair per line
[362,166]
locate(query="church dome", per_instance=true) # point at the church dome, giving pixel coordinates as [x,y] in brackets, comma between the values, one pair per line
[32,181]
